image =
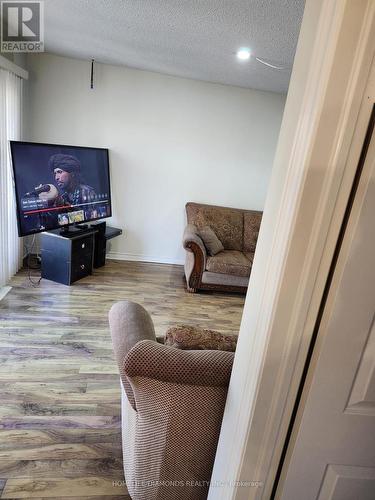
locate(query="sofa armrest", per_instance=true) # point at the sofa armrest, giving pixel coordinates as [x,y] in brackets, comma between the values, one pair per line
[191,235]
[196,257]
[201,368]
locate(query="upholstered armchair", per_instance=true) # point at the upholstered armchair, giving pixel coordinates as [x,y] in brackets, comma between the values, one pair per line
[236,231]
[172,404]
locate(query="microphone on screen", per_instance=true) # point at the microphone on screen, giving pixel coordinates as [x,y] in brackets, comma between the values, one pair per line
[42,188]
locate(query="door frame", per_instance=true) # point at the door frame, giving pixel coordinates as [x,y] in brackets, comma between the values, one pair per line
[313,171]
[341,259]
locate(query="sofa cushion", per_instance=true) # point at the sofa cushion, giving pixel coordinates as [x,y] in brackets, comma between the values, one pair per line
[251,227]
[196,338]
[210,240]
[229,262]
[227,223]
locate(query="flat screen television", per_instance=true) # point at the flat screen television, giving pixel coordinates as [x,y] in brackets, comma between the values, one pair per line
[58,186]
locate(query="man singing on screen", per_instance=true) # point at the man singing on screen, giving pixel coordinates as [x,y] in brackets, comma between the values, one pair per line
[67,172]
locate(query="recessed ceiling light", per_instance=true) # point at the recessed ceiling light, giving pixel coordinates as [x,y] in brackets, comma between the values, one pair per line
[243,54]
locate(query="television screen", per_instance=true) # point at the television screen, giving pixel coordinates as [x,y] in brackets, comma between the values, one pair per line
[59,185]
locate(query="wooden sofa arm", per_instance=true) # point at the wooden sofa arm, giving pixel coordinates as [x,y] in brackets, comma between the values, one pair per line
[196,257]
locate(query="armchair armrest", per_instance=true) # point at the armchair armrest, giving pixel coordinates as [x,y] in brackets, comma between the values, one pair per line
[129,323]
[196,257]
[156,361]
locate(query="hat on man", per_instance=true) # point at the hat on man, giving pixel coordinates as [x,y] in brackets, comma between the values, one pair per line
[67,163]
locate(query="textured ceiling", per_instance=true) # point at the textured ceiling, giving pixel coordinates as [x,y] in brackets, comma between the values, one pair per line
[190,38]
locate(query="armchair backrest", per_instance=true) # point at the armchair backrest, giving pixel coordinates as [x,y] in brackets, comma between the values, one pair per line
[129,323]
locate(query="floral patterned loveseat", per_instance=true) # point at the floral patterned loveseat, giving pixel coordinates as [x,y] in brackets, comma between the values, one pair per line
[229,269]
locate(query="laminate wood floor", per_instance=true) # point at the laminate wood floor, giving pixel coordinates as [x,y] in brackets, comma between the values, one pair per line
[59,386]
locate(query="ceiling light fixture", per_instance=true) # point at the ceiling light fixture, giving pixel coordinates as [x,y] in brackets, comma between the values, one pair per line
[243,54]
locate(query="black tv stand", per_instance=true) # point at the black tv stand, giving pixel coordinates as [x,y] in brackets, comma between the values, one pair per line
[68,256]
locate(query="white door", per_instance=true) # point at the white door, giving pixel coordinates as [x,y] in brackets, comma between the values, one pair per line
[331,455]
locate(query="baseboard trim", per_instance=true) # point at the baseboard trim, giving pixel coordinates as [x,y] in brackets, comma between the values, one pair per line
[4,290]
[143,258]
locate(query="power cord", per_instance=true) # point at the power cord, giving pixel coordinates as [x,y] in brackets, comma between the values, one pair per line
[29,250]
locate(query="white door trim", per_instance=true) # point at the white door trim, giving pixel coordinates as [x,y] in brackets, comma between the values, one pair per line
[364,177]
[310,184]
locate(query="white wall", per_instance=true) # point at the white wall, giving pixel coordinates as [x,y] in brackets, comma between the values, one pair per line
[171,140]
